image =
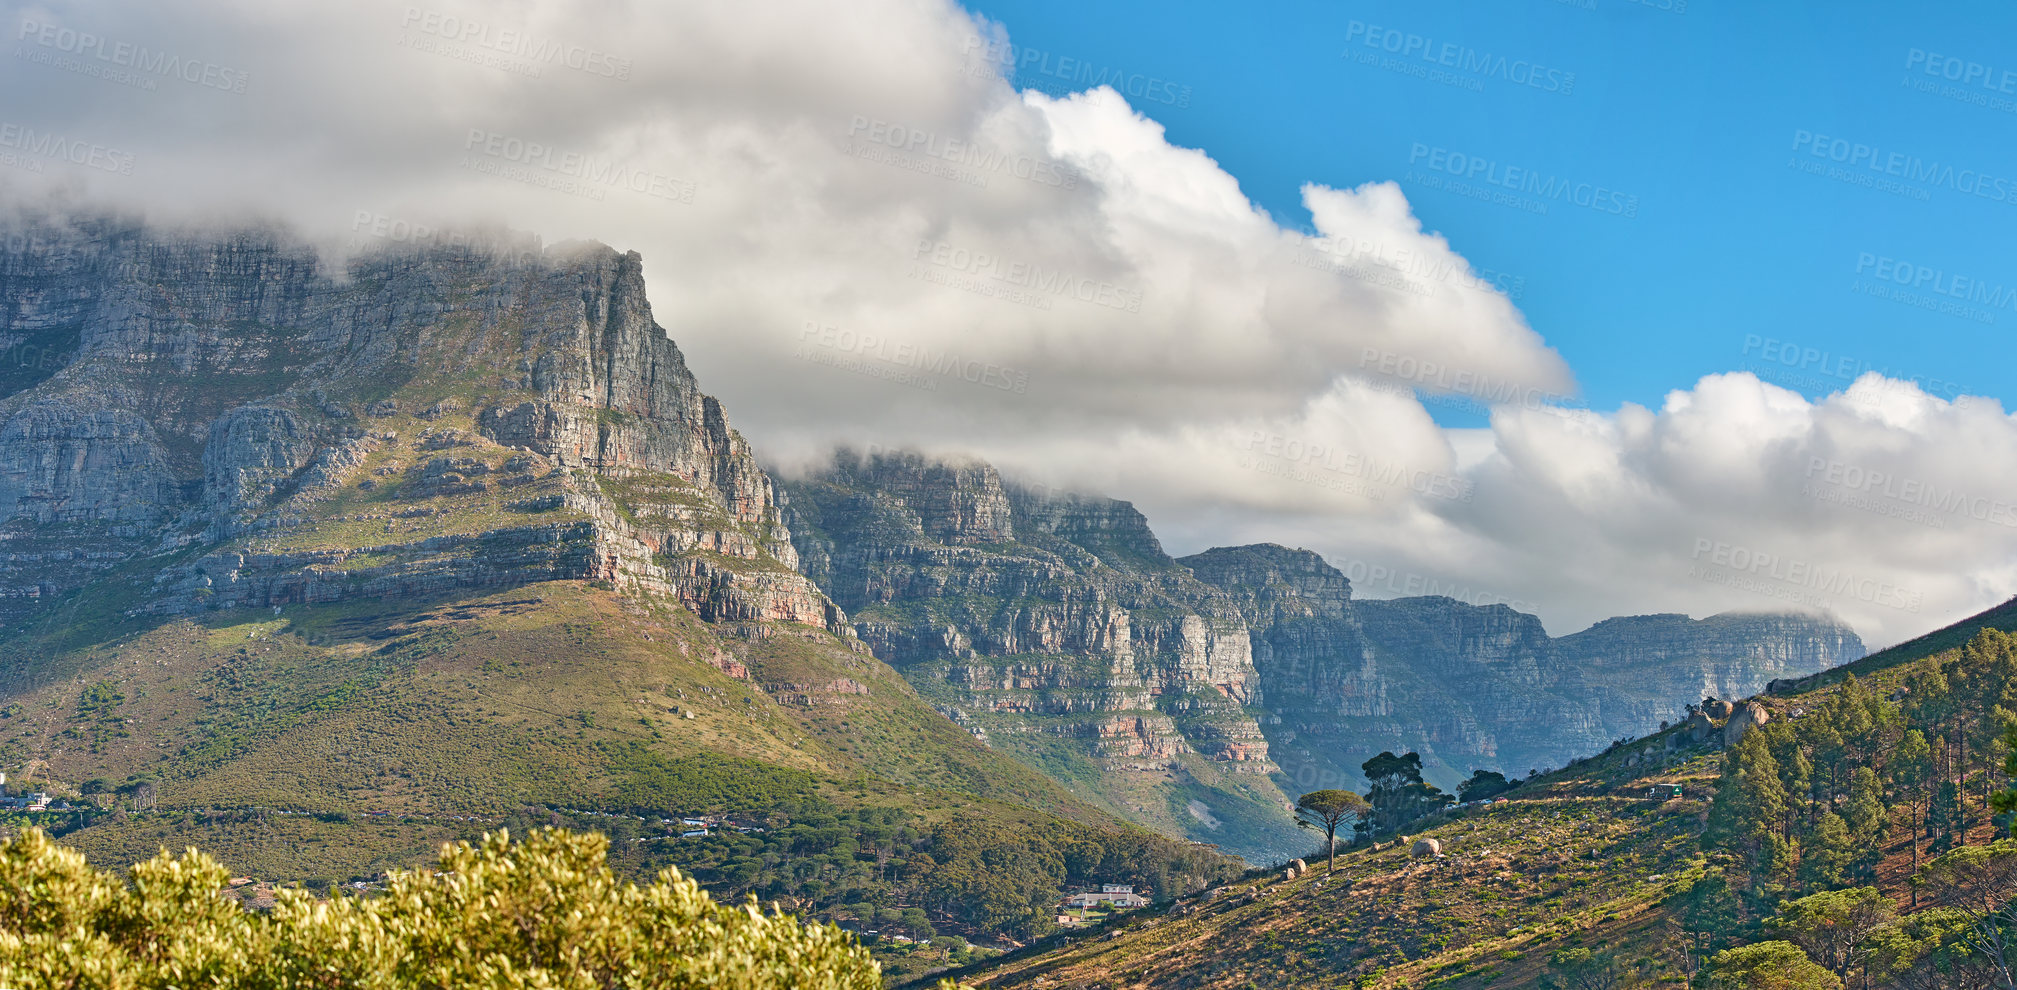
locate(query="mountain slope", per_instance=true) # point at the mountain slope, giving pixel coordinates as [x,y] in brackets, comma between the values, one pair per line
[446,534]
[1601,874]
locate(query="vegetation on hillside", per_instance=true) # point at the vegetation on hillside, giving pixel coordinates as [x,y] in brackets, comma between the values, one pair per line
[1854,839]
[350,739]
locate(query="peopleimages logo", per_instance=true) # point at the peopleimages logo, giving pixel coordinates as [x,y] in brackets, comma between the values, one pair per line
[536,51]
[1840,367]
[129,56]
[1875,161]
[1526,181]
[870,347]
[1741,566]
[1935,280]
[589,174]
[1042,282]
[1352,464]
[1884,484]
[520,249]
[1075,73]
[1461,58]
[35,144]
[1410,373]
[1042,171]
[1399,268]
[1961,71]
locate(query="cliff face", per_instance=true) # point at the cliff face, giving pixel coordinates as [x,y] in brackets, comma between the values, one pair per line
[1054,627]
[1032,615]
[1480,686]
[227,423]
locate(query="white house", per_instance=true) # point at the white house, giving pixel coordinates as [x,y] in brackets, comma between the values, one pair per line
[1109,894]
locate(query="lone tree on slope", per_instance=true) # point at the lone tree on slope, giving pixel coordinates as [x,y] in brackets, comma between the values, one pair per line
[1327,810]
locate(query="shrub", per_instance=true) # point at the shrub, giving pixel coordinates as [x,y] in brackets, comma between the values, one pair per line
[545,912]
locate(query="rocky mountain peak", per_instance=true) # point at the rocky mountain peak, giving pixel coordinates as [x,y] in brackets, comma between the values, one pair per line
[955,501]
[452,416]
[1270,569]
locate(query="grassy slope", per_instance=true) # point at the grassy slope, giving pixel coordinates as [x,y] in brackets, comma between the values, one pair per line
[1575,859]
[2003,617]
[554,693]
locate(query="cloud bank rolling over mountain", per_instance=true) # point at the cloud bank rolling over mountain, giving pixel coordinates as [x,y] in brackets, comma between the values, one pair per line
[861,232]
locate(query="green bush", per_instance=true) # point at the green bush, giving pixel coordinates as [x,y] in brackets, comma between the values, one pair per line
[545,912]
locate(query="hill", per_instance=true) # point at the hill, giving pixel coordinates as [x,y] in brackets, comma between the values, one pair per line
[1801,818]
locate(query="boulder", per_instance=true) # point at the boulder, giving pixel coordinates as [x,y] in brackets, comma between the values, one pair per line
[1425,848]
[1749,715]
[1717,709]
[1299,865]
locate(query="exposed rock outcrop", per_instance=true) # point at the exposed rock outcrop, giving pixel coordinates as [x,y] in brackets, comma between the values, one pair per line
[231,391]
[1472,686]
[1039,619]
[1066,619]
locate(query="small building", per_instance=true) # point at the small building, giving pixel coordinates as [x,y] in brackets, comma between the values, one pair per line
[1109,895]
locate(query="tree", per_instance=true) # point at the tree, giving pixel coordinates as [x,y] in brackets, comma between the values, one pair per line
[1707,910]
[1981,883]
[1326,810]
[1768,966]
[1911,767]
[919,926]
[1482,785]
[1834,926]
[1868,820]
[1750,807]
[1396,790]
[1928,951]
[1829,852]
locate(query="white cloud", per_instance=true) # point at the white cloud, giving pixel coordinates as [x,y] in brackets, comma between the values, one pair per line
[831,199]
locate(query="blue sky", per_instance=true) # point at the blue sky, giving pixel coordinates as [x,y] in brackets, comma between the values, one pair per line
[1696,113]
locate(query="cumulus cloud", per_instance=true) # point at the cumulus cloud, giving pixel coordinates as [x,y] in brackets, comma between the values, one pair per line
[1887,507]
[861,233]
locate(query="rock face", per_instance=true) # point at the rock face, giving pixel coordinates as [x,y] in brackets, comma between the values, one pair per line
[1055,627]
[1474,687]
[1746,717]
[217,417]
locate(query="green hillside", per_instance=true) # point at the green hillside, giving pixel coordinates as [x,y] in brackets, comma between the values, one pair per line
[1858,823]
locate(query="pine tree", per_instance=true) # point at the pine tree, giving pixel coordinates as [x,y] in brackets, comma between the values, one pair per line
[1868,820]
[1911,768]
[1828,854]
[1750,808]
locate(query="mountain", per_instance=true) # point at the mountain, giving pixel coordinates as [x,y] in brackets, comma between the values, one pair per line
[1473,686]
[316,567]
[1055,626]
[1814,828]
[326,565]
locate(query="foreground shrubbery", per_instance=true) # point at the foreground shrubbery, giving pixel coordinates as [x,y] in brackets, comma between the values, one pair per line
[545,912]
